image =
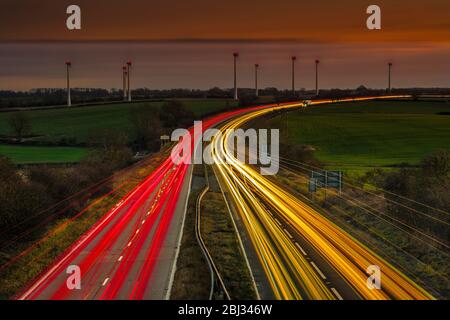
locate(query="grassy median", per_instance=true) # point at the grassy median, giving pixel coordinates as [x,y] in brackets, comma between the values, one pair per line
[222,242]
[192,277]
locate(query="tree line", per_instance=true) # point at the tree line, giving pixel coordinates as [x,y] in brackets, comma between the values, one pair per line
[26,191]
[58,96]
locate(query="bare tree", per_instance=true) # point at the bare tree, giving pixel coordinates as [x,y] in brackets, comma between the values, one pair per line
[20,124]
[147,127]
[438,163]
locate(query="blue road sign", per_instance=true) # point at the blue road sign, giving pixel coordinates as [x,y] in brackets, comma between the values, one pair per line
[325,179]
[312,185]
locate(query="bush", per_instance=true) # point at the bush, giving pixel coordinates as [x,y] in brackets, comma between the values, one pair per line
[20,124]
[173,114]
[147,128]
[19,198]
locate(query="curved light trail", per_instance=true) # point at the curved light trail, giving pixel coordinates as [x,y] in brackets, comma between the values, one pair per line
[259,201]
[118,256]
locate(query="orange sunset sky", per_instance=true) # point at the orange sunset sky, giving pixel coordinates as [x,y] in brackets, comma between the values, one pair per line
[188,43]
[318,20]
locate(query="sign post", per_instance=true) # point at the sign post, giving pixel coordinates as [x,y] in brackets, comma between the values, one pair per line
[325,179]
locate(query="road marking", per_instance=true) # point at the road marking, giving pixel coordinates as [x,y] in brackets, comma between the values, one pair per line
[318,270]
[278,221]
[301,249]
[78,244]
[105,282]
[129,243]
[143,221]
[137,231]
[289,235]
[337,294]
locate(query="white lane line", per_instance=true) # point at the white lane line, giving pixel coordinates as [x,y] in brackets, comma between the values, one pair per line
[301,249]
[180,237]
[78,244]
[278,221]
[289,235]
[129,244]
[120,258]
[137,231]
[318,270]
[105,282]
[336,293]
[143,221]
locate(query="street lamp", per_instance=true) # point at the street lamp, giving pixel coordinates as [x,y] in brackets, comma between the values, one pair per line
[129,75]
[235,55]
[68,65]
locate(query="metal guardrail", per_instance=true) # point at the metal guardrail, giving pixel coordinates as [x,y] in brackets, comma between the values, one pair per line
[214,271]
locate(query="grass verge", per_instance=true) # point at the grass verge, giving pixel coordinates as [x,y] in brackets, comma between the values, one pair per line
[59,235]
[428,267]
[222,243]
[191,279]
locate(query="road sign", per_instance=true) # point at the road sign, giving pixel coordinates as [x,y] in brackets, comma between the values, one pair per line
[325,179]
[334,179]
[312,185]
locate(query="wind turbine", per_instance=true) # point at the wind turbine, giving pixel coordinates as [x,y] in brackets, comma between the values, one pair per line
[293,58]
[389,76]
[256,79]
[124,78]
[129,64]
[69,100]
[317,77]
[235,56]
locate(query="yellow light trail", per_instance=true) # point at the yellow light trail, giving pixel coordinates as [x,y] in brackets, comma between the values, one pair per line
[288,272]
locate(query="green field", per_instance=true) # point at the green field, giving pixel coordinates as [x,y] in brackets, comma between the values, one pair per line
[77,123]
[28,154]
[366,134]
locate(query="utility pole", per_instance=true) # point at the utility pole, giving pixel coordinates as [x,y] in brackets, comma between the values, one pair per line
[256,79]
[389,76]
[69,100]
[128,72]
[317,78]
[293,58]
[124,78]
[235,55]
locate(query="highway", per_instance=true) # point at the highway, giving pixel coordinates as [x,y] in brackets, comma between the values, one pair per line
[131,252]
[303,254]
